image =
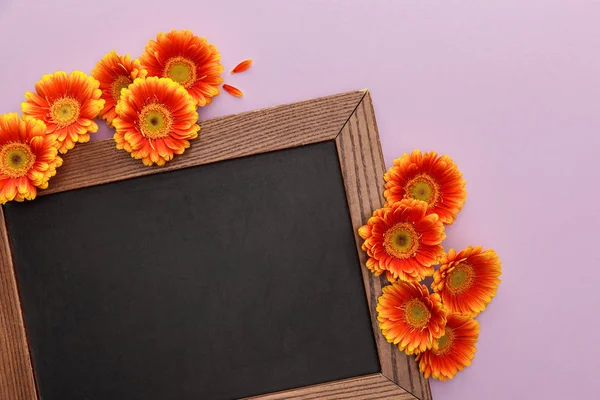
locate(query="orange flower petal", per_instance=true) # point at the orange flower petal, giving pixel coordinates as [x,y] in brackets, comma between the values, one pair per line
[233,90]
[241,67]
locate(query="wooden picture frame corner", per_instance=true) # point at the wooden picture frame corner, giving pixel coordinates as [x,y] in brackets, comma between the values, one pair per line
[347,119]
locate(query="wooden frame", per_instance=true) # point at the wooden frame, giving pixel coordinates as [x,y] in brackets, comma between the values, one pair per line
[348,119]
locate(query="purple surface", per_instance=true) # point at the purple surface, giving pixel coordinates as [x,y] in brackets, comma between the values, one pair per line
[509,88]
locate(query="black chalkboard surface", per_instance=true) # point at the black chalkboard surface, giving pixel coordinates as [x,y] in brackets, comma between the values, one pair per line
[214,282]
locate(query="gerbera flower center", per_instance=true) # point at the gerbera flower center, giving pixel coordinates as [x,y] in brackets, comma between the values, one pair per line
[416,314]
[122,82]
[401,240]
[16,159]
[64,111]
[423,187]
[444,344]
[460,279]
[181,70]
[155,121]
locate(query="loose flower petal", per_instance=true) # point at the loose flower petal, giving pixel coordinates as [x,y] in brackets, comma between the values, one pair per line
[233,90]
[241,67]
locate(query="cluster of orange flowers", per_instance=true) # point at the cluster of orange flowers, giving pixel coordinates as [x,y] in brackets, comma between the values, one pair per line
[151,103]
[424,192]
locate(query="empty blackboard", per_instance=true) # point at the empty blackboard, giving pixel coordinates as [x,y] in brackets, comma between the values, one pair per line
[233,271]
[214,282]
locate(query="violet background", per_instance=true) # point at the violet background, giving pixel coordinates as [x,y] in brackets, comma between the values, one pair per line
[509,88]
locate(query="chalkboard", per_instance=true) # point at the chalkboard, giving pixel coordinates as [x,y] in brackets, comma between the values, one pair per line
[214,282]
[234,271]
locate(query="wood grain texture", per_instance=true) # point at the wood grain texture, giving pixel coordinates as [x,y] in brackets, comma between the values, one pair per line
[369,387]
[239,135]
[362,164]
[16,373]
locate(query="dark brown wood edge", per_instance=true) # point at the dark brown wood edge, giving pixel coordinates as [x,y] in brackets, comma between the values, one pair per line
[234,136]
[368,387]
[16,372]
[363,166]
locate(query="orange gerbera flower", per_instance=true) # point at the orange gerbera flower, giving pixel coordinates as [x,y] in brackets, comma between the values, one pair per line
[188,60]
[410,317]
[434,179]
[115,72]
[156,119]
[468,280]
[453,351]
[403,240]
[28,157]
[67,104]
